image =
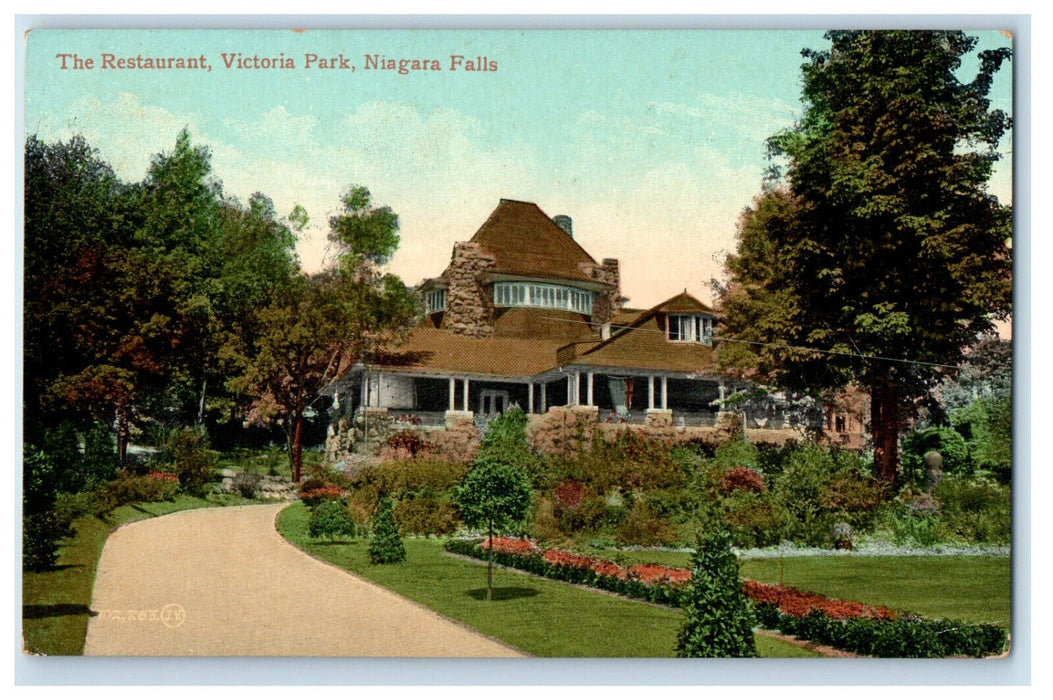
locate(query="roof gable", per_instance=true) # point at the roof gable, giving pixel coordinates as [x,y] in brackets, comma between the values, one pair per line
[524,241]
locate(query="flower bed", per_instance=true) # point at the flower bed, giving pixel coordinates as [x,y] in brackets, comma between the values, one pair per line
[791,601]
[844,624]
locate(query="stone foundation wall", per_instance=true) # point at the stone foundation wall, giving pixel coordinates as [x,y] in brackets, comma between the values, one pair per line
[564,431]
[469,310]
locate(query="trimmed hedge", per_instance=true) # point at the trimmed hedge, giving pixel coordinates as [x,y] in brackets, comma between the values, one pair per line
[900,638]
[905,638]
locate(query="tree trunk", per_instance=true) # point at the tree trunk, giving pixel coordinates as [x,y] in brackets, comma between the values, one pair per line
[490,566]
[884,427]
[297,446]
[123,433]
[201,404]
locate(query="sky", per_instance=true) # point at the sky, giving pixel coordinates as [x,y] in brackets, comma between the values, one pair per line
[652,141]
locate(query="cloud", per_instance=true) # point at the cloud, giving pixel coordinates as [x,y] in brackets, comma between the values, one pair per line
[127,132]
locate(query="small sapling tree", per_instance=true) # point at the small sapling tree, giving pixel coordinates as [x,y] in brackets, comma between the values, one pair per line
[494,495]
[719,623]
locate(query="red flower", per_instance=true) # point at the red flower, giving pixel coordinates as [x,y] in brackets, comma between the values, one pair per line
[798,603]
[742,479]
[163,476]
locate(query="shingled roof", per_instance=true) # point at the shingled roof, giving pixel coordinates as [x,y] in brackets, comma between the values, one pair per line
[526,242]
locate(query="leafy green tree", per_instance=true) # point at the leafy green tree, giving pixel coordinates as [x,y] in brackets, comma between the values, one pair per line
[385,545]
[719,622]
[321,324]
[496,495]
[884,242]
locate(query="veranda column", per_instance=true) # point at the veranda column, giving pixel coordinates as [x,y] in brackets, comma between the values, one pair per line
[544,399]
[650,391]
[665,392]
[570,389]
[588,381]
[453,394]
[530,397]
[466,393]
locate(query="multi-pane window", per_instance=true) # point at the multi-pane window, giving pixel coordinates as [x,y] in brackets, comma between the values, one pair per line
[691,328]
[435,300]
[546,296]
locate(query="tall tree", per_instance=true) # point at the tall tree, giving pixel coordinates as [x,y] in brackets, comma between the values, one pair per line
[320,324]
[885,256]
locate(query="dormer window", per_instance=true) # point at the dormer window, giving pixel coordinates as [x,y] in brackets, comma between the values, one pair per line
[435,301]
[691,328]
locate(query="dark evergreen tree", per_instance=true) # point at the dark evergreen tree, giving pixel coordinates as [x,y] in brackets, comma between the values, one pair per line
[385,546]
[719,622]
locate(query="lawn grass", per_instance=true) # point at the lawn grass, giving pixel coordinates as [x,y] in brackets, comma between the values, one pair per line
[966,588]
[538,616]
[55,604]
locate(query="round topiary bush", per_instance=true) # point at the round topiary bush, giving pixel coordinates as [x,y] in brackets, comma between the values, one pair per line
[329,519]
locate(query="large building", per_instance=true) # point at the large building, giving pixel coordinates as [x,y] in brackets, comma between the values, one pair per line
[523,315]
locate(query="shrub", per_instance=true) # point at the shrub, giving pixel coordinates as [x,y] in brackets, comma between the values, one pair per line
[544,526]
[742,479]
[644,528]
[948,442]
[247,484]
[406,441]
[852,497]
[127,488]
[975,510]
[42,529]
[719,621]
[99,463]
[320,495]
[426,515]
[385,545]
[417,475]
[62,446]
[188,451]
[752,521]
[330,519]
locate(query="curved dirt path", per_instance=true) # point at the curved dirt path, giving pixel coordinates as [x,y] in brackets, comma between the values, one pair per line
[223,582]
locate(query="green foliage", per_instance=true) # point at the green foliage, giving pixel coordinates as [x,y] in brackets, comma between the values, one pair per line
[193,463]
[426,515]
[719,621]
[127,488]
[643,528]
[99,462]
[247,484]
[986,375]
[417,475]
[385,545]
[903,638]
[493,494]
[887,170]
[753,520]
[946,441]
[974,510]
[331,518]
[987,426]
[41,527]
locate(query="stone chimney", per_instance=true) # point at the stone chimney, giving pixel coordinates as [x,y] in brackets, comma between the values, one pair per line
[469,310]
[606,304]
[565,223]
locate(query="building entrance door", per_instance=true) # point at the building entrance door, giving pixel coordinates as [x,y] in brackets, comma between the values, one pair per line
[492,402]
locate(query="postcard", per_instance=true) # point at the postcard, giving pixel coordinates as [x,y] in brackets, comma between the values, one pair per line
[594,343]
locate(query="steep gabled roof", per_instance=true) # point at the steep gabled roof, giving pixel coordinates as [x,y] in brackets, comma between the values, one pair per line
[682,303]
[642,343]
[526,242]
